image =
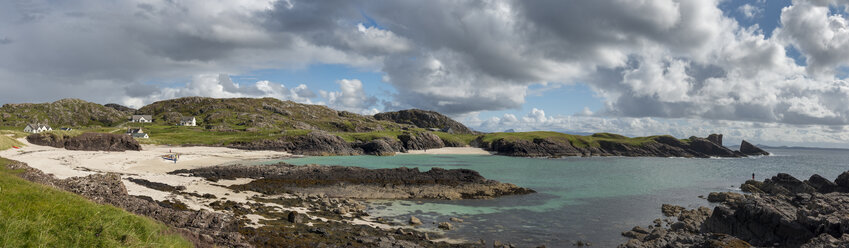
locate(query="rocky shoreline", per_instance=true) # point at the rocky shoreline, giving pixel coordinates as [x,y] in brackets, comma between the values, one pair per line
[361,183]
[87,141]
[298,219]
[659,146]
[779,212]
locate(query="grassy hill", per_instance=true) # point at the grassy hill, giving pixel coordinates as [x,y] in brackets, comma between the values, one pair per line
[34,215]
[576,140]
[65,112]
[424,119]
[254,114]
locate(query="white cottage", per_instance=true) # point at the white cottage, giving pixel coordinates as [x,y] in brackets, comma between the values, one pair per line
[188,121]
[37,128]
[142,118]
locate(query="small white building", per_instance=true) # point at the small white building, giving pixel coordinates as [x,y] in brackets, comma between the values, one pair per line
[142,118]
[188,121]
[37,128]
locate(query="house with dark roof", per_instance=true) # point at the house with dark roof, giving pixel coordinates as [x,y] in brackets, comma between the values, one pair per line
[133,130]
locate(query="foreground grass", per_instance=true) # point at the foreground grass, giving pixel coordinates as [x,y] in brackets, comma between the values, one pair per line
[7,142]
[34,215]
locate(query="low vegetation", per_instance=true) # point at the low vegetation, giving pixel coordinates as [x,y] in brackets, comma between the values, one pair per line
[35,215]
[576,140]
[8,142]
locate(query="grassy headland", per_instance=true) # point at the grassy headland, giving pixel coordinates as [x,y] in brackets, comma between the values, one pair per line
[35,215]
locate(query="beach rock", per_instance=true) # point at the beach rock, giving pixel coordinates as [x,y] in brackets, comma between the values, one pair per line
[415,221]
[382,147]
[357,182]
[295,217]
[786,184]
[821,184]
[842,181]
[421,141]
[445,225]
[455,219]
[724,197]
[671,210]
[827,241]
[751,150]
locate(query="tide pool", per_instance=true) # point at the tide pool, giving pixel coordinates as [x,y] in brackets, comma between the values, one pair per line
[587,199]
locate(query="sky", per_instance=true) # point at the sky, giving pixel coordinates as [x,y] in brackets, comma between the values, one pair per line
[771,72]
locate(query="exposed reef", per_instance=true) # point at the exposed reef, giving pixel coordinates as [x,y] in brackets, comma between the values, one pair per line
[356,182]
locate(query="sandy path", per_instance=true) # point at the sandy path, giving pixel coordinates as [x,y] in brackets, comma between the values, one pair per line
[451,150]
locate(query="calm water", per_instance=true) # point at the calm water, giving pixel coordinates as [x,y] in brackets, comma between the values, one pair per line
[588,199]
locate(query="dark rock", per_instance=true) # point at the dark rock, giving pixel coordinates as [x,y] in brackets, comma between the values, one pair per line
[724,197]
[425,119]
[670,210]
[315,143]
[421,141]
[715,138]
[295,217]
[661,146]
[445,225]
[751,150]
[709,148]
[788,182]
[382,147]
[821,184]
[842,181]
[87,141]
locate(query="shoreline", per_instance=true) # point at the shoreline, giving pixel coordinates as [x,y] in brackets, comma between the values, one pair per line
[451,151]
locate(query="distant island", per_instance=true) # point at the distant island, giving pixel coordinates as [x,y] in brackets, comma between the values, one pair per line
[272,124]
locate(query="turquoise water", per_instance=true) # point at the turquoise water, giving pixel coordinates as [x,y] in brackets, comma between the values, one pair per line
[588,199]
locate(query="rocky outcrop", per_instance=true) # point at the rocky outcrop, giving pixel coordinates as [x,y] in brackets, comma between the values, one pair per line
[659,146]
[205,229]
[421,141]
[751,150]
[124,109]
[87,141]
[382,147]
[788,213]
[316,143]
[356,182]
[424,119]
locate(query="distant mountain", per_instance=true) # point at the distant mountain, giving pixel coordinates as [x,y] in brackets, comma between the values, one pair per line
[424,119]
[261,113]
[65,112]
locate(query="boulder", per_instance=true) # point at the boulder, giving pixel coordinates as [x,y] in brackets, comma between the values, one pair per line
[421,141]
[382,147]
[788,182]
[821,184]
[445,225]
[842,181]
[415,221]
[455,219]
[751,150]
[724,197]
[295,217]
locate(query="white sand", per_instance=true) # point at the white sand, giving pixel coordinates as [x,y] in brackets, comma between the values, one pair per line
[451,150]
[65,163]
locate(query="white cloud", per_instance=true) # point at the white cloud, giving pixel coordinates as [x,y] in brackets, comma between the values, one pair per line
[750,11]
[352,97]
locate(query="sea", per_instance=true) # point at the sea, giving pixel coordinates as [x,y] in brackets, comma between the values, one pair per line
[581,199]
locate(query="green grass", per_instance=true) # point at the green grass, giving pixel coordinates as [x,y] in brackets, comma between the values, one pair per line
[179,135]
[576,140]
[464,139]
[34,215]
[6,142]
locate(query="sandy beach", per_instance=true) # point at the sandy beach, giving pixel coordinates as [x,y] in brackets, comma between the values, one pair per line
[145,164]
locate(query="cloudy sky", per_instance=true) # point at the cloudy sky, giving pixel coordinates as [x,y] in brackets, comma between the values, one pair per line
[772,72]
